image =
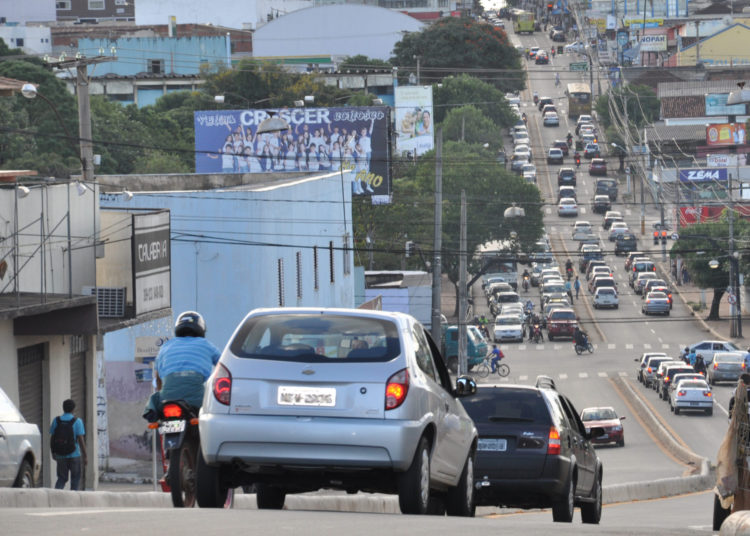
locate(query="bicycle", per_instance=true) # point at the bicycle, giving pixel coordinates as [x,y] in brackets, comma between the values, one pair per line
[483,370]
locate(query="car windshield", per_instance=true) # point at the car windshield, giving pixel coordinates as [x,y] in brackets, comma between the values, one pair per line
[508,298]
[605,290]
[500,404]
[316,338]
[563,315]
[507,321]
[657,296]
[598,414]
[8,412]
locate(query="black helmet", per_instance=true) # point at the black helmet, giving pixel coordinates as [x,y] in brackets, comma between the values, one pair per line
[190,324]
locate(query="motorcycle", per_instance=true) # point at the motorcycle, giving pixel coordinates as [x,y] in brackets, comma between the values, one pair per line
[536,98]
[178,430]
[536,334]
[570,141]
[525,283]
[569,272]
[578,160]
[580,348]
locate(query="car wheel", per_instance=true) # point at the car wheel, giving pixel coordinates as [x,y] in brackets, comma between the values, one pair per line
[621,442]
[671,407]
[676,410]
[269,497]
[720,513]
[710,411]
[562,509]
[25,478]
[461,498]
[414,484]
[549,336]
[211,492]
[591,512]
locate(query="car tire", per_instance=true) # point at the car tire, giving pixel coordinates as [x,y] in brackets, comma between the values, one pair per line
[621,443]
[676,410]
[210,491]
[591,512]
[269,497]
[550,337]
[25,477]
[563,508]
[460,500]
[414,483]
[710,412]
[720,513]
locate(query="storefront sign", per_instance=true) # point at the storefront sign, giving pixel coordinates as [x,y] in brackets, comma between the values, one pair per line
[703,175]
[636,23]
[721,160]
[725,134]
[151,262]
[716,104]
[653,43]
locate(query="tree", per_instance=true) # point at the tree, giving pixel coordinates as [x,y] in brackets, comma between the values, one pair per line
[464,89]
[469,124]
[153,162]
[360,61]
[642,107]
[452,44]
[702,242]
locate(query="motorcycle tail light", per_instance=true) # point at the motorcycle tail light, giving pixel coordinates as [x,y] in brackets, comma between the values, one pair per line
[396,389]
[222,385]
[553,441]
[171,411]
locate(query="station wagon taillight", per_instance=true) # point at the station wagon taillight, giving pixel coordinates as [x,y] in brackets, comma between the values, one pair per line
[706,393]
[222,387]
[396,389]
[681,393]
[553,442]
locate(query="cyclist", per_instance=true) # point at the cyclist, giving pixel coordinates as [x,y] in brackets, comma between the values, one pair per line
[497,355]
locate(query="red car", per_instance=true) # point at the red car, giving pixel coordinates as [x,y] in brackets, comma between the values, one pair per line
[562,145]
[561,323]
[604,417]
[598,166]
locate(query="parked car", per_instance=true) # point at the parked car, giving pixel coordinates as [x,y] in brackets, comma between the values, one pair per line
[535,452]
[601,204]
[598,166]
[529,172]
[517,161]
[691,395]
[567,207]
[606,418]
[555,156]
[725,366]
[606,297]
[374,383]
[566,176]
[625,242]
[20,447]
[591,150]
[551,120]
[561,323]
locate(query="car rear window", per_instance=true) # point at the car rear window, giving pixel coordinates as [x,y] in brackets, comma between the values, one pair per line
[316,338]
[729,358]
[500,404]
[562,315]
[643,266]
[607,183]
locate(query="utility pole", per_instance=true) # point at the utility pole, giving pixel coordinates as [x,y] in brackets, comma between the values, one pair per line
[437,327]
[462,291]
[643,181]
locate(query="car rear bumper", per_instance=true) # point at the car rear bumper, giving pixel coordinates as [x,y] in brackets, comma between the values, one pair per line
[687,404]
[309,441]
[725,376]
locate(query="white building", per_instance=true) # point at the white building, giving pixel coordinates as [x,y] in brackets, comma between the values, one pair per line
[334,30]
[31,39]
[27,11]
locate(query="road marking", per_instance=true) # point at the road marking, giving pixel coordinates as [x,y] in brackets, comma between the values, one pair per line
[553,229]
[622,374]
[652,331]
[522,347]
[563,376]
[722,408]
[583,210]
[523,378]
[611,346]
[558,347]
[634,303]
[602,374]
[540,347]
[628,212]
[646,346]
[583,374]
[628,346]
[665,347]
[548,211]
[660,339]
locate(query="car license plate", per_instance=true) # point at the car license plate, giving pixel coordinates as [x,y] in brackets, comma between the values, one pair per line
[604,436]
[171,427]
[289,395]
[492,444]
[693,403]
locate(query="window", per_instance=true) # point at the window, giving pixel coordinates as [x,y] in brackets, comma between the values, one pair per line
[316,286]
[63,5]
[331,261]
[96,4]
[299,274]
[280,276]
[156,66]
[19,41]
[424,355]
[121,2]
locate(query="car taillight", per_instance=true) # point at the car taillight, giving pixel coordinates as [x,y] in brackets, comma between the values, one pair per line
[666,379]
[222,387]
[681,393]
[649,370]
[171,411]
[553,442]
[716,365]
[648,301]
[396,389]
[707,393]
[743,365]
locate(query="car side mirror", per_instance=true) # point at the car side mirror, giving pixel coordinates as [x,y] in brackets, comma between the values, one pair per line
[465,386]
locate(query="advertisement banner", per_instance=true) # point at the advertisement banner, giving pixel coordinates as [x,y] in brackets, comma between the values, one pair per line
[352,139]
[703,175]
[636,23]
[721,160]
[151,244]
[716,104]
[653,43]
[725,134]
[414,126]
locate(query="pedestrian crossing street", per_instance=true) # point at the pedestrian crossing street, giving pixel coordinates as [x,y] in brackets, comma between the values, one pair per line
[609,346]
[562,376]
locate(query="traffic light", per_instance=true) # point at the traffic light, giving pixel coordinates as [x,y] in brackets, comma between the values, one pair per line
[656,238]
[664,237]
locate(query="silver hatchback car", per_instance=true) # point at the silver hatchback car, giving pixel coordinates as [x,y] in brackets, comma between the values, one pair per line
[306,399]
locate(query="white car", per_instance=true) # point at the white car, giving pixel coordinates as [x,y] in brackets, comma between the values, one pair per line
[578,47]
[567,207]
[508,328]
[581,225]
[694,395]
[707,349]
[599,271]
[606,297]
[522,151]
[521,139]
[617,228]
[551,120]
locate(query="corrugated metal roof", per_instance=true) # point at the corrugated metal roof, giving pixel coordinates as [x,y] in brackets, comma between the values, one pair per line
[663,132]
[694,88]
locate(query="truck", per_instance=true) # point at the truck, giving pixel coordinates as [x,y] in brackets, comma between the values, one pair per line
[476,347]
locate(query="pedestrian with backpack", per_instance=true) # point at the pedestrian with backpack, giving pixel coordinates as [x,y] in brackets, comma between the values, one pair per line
[68,446]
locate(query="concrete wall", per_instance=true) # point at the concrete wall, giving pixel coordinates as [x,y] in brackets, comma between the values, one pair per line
[181,55]
[35,39]
[28,11]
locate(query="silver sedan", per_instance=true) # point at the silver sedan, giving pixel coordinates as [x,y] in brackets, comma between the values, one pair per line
[305,399]
[656,303]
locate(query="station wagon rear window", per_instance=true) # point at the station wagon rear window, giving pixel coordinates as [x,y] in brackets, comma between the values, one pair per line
[503,405]
[316,338]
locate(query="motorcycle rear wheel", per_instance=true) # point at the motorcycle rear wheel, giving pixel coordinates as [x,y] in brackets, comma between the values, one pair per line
[579,349]
[181,475]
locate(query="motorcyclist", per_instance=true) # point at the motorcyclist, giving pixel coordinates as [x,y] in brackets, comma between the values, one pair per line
[536,97]
[526,274]
[569,139]
[529,308]
[569,265]
[580,337]
[183,365]
[700,365]
[577,157]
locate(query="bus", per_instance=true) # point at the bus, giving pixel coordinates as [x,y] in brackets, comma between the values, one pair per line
[579,99]
[523,21]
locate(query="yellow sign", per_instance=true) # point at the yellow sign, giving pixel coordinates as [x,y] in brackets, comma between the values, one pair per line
[636,23]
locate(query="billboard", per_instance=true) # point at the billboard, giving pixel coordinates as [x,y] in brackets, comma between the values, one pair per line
[152,288]
[653,43]
[716,104]
[721,160]
[725,134]
[703,175]
[352,139]
[414,126]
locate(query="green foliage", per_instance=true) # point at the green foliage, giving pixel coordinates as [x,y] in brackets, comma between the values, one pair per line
[469,124]
[452,43]
[464,89]
[642,106]
[361,61]
[153,162]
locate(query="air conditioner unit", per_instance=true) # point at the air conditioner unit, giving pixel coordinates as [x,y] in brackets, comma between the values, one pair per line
[110,300]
